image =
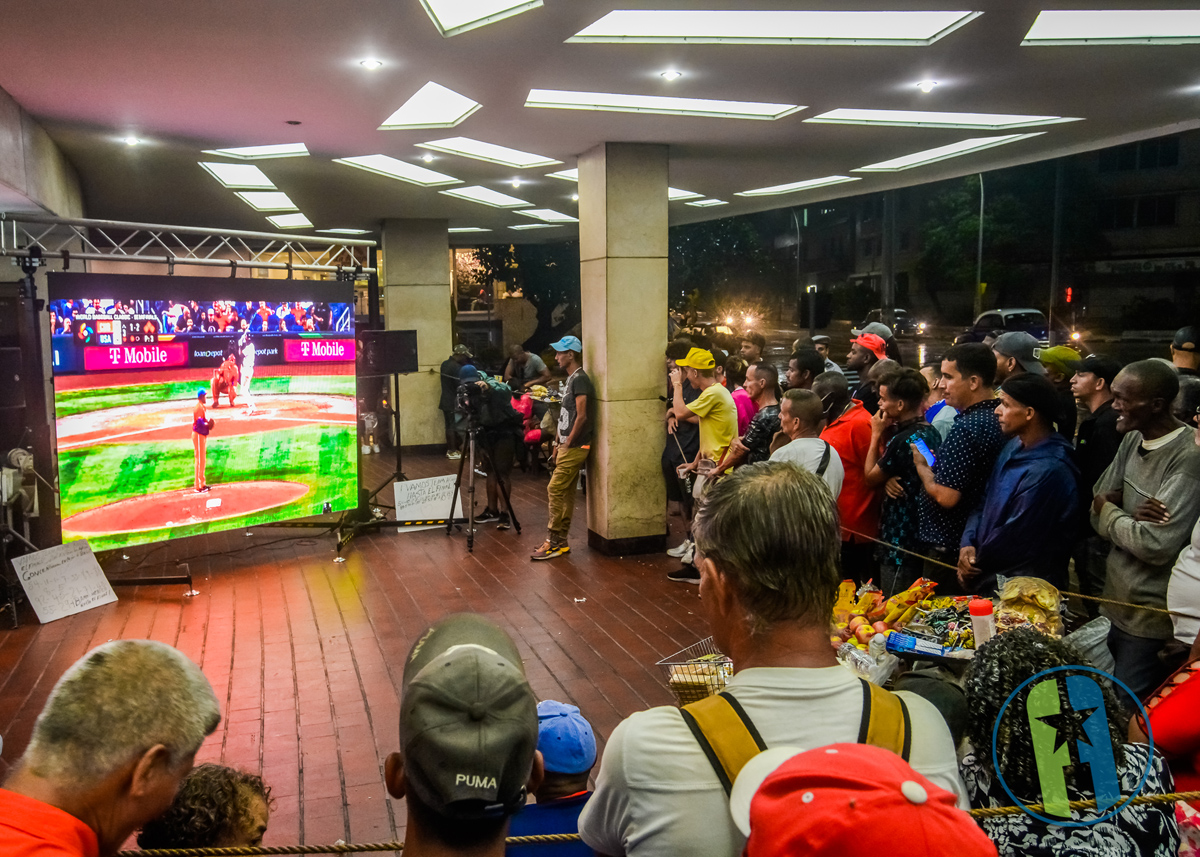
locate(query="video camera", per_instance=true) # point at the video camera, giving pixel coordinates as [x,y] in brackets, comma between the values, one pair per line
[469,401]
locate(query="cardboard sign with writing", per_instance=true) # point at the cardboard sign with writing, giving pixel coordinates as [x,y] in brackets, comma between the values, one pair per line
[426,499]
[63,580]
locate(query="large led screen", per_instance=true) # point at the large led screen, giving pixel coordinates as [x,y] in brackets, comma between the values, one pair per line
[131,354]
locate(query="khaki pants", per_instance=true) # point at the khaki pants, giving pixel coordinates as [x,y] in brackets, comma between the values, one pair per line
[561,491]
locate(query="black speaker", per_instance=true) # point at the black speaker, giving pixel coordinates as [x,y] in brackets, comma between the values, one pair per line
[12,383]
[388,352]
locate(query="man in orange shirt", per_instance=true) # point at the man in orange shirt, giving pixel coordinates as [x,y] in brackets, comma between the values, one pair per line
[848,430]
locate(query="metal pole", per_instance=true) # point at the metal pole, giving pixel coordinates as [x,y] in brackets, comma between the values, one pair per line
[887,285]
[979,255]
[796,220]
[1055,247]
[812,311]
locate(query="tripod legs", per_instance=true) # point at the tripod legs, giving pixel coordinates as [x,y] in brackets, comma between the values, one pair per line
[476,454]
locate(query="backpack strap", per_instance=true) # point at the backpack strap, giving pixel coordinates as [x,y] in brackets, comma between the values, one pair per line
[725,733]
[824,460]
[885,721]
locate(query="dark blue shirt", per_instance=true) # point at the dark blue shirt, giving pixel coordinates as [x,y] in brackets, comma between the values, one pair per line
[964,462]
[556,816]
[898,517]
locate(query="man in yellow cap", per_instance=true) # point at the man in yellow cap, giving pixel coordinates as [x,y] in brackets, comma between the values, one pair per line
[1058,361]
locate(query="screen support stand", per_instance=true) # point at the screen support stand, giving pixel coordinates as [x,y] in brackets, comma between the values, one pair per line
[394,414]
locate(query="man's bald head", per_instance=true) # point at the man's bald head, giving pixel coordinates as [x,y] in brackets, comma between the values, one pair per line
[805,406]
[831,384]
[1155,379]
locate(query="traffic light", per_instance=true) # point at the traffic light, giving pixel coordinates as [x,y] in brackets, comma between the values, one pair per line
[1068,294]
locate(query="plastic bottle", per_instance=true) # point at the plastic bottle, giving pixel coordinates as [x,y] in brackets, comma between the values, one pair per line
[983,620]
[877,648]
[856,659]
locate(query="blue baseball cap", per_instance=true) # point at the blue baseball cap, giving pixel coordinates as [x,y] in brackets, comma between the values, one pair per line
[200,394]
[468,374]
[566,740]
[568,343]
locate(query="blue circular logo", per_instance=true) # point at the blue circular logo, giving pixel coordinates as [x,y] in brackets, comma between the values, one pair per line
[1058,822]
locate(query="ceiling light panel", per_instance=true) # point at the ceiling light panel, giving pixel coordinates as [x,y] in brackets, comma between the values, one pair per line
[255,153]
[536,226]
[708,203]
[674,194]
[565,175]
[345,231]
[385,165]
[781,27]
[793,187]
[431,106]
[1116,27]
[245,176]
[941,153]
[661,104]
[487,196]
[464,229]
[268,200]
[481,151]
[932,119]
[290,221]
[548,215]
[452,17]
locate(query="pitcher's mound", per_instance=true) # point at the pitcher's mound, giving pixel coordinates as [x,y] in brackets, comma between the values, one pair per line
[184,507]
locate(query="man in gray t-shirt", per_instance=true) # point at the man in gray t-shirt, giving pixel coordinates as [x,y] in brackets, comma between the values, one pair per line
[524,369]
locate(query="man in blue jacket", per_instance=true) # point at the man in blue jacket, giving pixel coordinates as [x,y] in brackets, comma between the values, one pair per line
[1031,505]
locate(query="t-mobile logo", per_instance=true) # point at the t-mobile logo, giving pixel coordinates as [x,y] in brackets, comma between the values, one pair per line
[304,348]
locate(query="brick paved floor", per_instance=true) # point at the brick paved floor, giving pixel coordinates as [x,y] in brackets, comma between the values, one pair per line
[306,654]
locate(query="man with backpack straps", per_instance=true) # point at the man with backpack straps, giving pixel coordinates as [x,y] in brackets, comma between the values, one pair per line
[768,545]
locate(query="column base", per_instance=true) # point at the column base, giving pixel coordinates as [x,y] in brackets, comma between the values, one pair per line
[627,547]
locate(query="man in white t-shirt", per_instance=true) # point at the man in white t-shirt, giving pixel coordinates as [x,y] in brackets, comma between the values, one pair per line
[800,420]
[768,546]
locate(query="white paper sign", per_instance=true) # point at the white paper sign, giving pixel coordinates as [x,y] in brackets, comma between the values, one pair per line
[63,580]
[426,499]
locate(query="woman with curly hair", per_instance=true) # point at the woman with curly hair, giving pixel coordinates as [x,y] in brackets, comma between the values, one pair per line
[999,667]
[217,807]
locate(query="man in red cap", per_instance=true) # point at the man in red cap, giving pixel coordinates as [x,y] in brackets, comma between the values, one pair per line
[848,798]
[866,350]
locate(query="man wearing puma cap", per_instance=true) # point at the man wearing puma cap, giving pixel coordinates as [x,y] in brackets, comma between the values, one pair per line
[468,738]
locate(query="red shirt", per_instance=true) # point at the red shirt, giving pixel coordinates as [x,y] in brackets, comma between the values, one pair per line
[858,505]
[30,828]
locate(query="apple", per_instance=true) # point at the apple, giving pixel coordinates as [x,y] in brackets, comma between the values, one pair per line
[864,633]
[881,627]
[855,622]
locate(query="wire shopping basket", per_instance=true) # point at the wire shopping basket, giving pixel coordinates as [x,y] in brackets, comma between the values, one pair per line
[696,672]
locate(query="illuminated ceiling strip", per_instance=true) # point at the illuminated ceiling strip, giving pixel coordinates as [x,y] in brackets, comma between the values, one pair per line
[942,153]
[255,153]
[384,165]
[933,119]
[486,196]
[452,17]
[782,27]
[794,187]
[1115,27]
[674,194]
[565,175]
[549,215]
[346,231]
[431,106]
[536,226]
[267,200]
[657,104]
[244,176]
[290,221]
[463,229]
[490,152]
[708,203]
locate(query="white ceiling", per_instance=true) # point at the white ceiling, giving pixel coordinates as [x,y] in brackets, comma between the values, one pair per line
[185,77]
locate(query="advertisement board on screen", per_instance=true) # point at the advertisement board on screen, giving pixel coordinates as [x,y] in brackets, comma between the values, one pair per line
[189,405]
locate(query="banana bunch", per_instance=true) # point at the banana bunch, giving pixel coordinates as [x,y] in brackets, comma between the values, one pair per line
[901,607]
[844,605]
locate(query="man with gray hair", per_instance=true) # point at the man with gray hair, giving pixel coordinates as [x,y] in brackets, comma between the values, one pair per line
[109,750]
[767,545]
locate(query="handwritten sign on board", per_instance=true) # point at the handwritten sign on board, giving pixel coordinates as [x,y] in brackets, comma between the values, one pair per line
[425,499]
[63,580]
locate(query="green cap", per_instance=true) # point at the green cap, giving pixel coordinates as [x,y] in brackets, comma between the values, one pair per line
[468,720]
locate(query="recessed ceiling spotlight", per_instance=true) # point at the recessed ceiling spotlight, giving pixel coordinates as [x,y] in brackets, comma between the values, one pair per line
[927,85]
[427,158]
[574,197]
[371,64]
[132,141]
[671,75]
[516,182]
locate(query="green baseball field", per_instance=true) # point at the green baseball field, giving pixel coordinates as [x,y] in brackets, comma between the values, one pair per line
[127,463]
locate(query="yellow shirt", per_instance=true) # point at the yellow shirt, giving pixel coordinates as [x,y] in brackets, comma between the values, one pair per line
[718,420]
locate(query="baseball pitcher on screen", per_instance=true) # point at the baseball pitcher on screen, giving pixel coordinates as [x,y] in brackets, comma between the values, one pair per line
[201,426]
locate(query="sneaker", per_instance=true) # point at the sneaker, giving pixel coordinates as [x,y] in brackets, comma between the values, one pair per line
[374,447]
[504,523]
[687,574]
[454,456]
[681,550]
[203,490]
[487,515]
[549,551]
[366,449]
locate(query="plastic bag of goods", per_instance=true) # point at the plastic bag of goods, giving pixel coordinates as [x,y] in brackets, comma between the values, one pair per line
[1029,601]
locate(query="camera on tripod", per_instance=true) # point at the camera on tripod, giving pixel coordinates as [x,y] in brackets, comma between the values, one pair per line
[469,401]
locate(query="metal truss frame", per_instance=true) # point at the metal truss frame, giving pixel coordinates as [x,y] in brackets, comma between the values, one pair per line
[68,238]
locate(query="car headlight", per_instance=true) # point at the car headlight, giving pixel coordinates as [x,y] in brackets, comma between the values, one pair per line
[1076,336]
[921,325]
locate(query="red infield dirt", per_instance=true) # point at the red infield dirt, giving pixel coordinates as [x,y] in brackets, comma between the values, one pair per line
[183,507]
[173,420]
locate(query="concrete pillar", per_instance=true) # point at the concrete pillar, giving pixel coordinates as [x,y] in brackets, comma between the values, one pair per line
[623,260]
[417,296]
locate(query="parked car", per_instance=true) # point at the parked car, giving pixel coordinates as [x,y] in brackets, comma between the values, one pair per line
[1032,321]
[905,324]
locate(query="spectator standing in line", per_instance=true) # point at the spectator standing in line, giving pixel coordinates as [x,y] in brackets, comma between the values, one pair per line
[1145,505]
[114,741]
[754,346]
[1186,406]
[524,369]
[1185,350]
[799,441]
[954,485]
[448,403]
[890,346]
[865,351]
[768,545]
[804,365]
[1031,499]
[896,425]
[468,739]
[568,749]
[1183,596]
[821,342]
[1096,444]
[1057,361]
[735,382]
[1016,352]
[683,436]
[574,443]
[217,807]
[762,383]
[848,431]
[937,413]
